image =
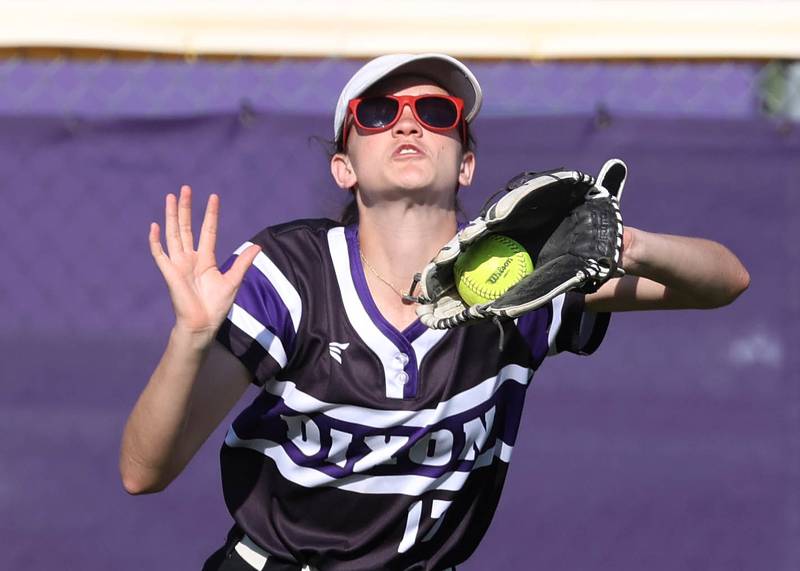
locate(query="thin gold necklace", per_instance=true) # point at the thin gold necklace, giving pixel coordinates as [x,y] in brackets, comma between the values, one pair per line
[406,297]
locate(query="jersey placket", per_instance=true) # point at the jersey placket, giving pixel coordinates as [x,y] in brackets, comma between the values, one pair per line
[402,370]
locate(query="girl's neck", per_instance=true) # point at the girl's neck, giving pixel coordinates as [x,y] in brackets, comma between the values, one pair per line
[399,240]
[396,244]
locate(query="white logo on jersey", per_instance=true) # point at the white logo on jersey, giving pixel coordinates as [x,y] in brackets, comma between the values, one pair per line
[336,349]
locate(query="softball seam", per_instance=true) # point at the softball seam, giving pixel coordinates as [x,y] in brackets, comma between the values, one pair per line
[484,292]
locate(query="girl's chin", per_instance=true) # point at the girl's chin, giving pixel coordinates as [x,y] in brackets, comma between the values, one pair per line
[417,181]
[411,182]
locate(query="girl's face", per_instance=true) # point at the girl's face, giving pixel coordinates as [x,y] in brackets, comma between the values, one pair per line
[407,158]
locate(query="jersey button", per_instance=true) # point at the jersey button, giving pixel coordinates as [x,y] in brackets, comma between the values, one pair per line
[402,358]
[402,377]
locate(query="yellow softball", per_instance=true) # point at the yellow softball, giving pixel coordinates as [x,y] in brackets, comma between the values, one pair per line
[490,267]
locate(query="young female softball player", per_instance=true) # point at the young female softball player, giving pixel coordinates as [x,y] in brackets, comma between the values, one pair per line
[375,443]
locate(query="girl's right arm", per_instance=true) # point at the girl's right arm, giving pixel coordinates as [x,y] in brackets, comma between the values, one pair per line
[197,382]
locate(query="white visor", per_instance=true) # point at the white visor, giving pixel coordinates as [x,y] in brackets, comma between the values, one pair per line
[442,69]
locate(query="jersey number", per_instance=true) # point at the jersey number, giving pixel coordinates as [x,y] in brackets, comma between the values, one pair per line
[436,511]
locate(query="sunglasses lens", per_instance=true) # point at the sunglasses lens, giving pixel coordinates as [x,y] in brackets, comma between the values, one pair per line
[437,112]
[376,112]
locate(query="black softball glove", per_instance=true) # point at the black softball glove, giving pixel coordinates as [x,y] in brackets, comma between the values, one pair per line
[568,222]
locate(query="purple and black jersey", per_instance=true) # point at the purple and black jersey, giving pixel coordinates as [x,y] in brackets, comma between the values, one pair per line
[371,448]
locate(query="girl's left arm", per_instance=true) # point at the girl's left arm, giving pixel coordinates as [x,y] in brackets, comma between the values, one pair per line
[671,272]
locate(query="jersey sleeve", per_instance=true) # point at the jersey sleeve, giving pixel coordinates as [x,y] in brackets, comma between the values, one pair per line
[262,324]
[563,325]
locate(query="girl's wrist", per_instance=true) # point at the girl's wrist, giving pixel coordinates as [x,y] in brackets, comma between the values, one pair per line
[633,245]
[192,338]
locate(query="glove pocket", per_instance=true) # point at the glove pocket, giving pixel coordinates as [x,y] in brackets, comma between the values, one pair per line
[554,277]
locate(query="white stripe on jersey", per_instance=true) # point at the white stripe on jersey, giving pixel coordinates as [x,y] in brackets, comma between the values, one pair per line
[366,329]
[286,291]
[408,484]
[304,403]
[555,325]
[425,342]
[255,329]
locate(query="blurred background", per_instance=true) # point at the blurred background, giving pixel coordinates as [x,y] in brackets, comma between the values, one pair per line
[675,446]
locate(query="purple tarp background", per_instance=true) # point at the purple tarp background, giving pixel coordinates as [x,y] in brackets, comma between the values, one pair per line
[676,446]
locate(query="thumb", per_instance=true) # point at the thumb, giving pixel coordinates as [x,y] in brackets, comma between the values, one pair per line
[235,273]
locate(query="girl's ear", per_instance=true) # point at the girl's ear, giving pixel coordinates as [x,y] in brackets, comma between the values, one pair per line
[342,171]
[466,169]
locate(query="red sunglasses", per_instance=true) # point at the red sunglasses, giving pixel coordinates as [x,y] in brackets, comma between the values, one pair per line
[437,113]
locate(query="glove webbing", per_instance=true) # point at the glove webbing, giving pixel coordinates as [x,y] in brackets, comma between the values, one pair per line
[515,182]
